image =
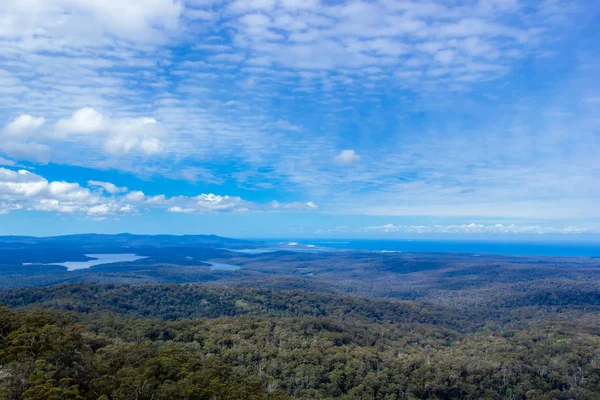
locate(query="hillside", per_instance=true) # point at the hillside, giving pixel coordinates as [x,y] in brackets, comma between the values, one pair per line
[173,302]
[114,343]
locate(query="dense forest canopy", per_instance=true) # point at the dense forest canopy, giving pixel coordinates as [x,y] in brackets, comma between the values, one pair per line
[192,342]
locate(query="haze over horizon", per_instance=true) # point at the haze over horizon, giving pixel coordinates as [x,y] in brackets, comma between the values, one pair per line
[301,118]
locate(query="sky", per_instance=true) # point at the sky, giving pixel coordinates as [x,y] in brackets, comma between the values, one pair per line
[301,118]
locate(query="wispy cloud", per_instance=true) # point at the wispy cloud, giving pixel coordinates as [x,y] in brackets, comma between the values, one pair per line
[433,107]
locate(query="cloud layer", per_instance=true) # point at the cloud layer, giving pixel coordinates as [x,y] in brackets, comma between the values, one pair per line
[471,228]
[454,109]
[24,190]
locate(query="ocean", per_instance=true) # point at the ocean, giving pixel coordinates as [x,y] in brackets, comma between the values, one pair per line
[554,249]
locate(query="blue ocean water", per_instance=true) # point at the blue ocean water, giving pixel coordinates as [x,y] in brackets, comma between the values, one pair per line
[555,249]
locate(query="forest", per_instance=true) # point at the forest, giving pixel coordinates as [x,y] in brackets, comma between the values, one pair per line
[91,341]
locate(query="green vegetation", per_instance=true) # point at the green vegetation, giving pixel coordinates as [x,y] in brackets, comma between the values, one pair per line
[173,302]
[189,342]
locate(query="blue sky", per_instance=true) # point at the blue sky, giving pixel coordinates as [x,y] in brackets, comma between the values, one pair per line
[288,118]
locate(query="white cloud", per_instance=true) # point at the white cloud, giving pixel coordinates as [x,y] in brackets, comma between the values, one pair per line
[347,157]
[15,139]
[209,203]
[124,134]
[84,120]
[135,196]
[215,203]
[109,187]
[470,229]
[179,210]
[135,133]
[311,205]
[24,190]
[88,127]
[28,191]
[76,22]
[23,125]
[275,205]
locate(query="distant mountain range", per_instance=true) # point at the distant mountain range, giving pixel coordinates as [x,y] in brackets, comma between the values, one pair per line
[129,240]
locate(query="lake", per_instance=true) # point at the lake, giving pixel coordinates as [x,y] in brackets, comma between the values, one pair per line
[97,259]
